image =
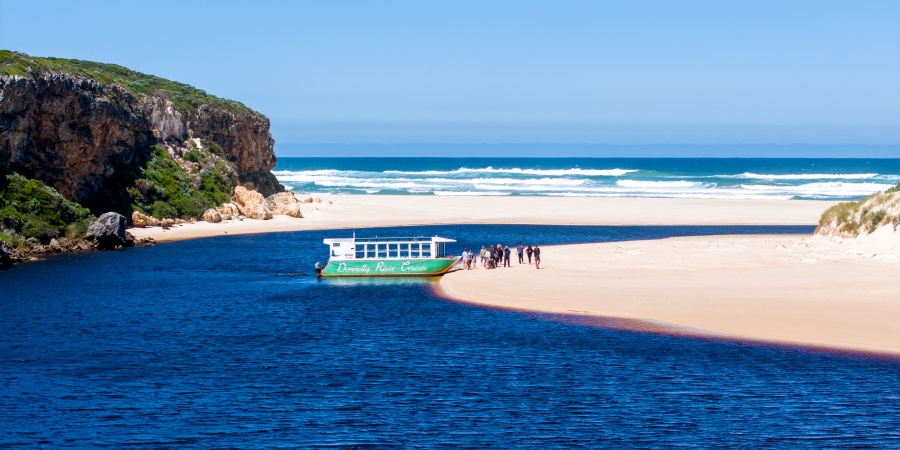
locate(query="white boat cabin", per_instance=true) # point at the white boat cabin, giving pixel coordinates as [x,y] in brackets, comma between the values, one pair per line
[387,248]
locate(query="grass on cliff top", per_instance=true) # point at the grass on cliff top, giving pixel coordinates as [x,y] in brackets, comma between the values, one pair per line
[32,209]
[187,99]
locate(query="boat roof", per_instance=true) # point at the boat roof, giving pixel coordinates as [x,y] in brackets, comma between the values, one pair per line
[379,240]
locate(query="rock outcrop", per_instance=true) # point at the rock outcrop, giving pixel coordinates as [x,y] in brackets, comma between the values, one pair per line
[284,204]
[212,216]
[5,258]
[229,209]
[142,221]
[251,203]
[108,232]
[88,139]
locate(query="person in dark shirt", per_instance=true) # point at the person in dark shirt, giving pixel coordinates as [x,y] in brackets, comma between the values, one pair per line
[506,253]
[537,257]
[529,251]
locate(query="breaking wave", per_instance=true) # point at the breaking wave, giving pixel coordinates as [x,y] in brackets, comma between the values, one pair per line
[493,180]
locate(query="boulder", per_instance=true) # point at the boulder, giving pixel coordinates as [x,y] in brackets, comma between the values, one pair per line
[5,259]
[284,204]
[229,209]
[308,200]
[212,216]
[252,204]
[108,231]
[142,220]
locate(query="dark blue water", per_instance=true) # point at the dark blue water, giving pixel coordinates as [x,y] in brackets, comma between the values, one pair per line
[230,342]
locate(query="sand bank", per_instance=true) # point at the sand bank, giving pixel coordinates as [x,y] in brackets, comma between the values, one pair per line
[363,211]
[782,289]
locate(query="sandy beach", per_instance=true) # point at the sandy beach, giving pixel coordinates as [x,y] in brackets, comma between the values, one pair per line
[365,211]
[780,289]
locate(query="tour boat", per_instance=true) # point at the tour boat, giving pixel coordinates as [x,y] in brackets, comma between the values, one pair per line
[387,256]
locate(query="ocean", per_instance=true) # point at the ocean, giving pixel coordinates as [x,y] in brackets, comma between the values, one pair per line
[231,342]
[740,178]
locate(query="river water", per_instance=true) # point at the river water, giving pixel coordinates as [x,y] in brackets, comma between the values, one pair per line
[231,342]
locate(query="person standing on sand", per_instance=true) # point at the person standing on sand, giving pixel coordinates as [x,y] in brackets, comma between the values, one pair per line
[506,254]
[520,252]
[529,251]
[537,257]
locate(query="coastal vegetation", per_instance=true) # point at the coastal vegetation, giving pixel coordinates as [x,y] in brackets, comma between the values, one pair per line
[80,139]
[186,98]
[131,154]
[183,189]
[851,219]
[30,209]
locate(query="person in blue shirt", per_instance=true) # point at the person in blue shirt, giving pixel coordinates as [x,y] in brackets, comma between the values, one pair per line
[506,254]
[521,252]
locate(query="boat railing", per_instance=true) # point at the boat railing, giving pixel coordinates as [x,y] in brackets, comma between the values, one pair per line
[394,239]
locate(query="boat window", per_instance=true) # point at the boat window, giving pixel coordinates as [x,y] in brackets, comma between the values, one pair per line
[360,251]
[370,250]
[382,250]
[426,250]
[393,251]
[404,250]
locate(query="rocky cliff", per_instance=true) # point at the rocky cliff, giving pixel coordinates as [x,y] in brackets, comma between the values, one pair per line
[89,129]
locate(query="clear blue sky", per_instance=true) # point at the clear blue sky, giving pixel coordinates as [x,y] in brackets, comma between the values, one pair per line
[624,72]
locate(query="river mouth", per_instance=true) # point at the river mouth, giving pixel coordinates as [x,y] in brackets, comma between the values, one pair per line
[225,342]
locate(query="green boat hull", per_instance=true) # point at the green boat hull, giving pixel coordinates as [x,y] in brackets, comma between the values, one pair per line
[388,267]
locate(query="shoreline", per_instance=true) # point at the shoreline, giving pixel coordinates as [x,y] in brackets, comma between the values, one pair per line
[789,290]
[648,326]
[772,289]
[372,211]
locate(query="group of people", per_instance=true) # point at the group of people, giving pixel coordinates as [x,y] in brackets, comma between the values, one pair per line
[490,257]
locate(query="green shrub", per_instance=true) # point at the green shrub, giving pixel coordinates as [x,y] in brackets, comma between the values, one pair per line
[876,219]
[35,210]
[214,187]
[196,156]
[167,191]
[162,210]
[13,241]
[212,148]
